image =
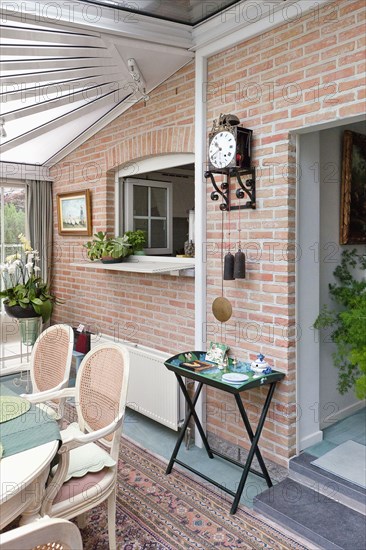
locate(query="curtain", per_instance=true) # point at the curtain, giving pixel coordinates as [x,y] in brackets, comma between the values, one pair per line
[40,223]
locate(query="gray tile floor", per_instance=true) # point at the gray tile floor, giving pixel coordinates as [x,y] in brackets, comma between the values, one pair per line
[353,427]
[161,440]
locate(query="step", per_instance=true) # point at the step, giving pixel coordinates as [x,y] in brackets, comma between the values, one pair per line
[327,484]
[319,519]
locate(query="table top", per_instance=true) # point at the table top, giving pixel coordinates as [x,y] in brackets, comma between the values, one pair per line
[30,441]
[30,429]
[213,376]
[17,471]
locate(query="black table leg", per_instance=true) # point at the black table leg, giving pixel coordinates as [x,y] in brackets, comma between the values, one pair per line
[254,446]
[191,404]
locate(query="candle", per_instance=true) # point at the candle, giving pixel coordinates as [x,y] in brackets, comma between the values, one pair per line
[191,226]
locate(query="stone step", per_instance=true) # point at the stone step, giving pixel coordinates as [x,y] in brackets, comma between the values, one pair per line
[327,484]
[322,521]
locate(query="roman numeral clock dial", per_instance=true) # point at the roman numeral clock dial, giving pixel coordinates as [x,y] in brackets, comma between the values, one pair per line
[222,149]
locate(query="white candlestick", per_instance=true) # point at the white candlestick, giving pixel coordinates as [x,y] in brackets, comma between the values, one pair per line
[191,226]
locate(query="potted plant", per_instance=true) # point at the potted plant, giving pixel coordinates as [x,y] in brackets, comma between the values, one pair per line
[108,249]
[137,241]
[348,324]
[24,292]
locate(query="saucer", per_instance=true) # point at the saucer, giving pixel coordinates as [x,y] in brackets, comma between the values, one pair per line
[234,377]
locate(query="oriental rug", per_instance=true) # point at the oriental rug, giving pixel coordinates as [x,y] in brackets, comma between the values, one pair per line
[174,512]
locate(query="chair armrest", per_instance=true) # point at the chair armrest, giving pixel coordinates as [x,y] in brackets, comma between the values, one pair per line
[49,395]
[83,439]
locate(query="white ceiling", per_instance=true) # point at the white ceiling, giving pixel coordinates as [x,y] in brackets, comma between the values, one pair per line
[63,73]
[64,65]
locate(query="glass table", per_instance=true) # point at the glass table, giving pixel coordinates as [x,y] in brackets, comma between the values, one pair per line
[213,376]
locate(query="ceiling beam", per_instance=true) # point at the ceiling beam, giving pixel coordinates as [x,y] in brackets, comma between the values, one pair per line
[57,122]
[47,51]
[66,74]
[13,93]
[68,98]
[81,15]
[43,64]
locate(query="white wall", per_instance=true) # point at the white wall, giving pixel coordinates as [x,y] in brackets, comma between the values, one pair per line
[308,228]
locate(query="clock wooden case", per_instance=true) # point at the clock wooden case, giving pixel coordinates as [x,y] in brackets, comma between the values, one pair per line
[229,147]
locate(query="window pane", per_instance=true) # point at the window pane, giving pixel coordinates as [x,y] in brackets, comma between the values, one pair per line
[144,225]
[140,200]
[14,214]
[158,202]
[158,234]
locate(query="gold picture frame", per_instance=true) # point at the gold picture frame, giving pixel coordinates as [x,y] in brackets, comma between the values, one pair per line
[353,189]
[74,213]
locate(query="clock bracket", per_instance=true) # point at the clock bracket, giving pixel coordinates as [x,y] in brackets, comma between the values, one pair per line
[246,188]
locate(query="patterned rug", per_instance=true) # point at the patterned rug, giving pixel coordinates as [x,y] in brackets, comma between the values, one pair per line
[174,512]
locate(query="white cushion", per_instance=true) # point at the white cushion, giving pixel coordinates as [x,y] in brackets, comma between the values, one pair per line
[84,459]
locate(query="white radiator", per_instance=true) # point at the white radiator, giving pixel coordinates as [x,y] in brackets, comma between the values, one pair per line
[152,390]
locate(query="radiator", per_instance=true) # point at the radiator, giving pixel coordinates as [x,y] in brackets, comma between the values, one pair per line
[152,390]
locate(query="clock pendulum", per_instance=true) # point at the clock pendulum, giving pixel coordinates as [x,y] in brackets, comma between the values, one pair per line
[229,258]
[221,306]
[239,260]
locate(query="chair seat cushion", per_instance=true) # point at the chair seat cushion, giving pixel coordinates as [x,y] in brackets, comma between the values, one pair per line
[84,459]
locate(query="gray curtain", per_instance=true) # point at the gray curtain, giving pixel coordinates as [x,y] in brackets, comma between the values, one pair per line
[40,223]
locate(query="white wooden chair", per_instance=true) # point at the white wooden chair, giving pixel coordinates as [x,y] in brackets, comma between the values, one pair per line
[86,473]
[43,534]
[49,365]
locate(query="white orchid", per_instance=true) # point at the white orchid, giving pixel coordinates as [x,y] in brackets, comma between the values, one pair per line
[23,285]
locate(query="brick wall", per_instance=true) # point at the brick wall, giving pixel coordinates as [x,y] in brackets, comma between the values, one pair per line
[154,310]
[307,71]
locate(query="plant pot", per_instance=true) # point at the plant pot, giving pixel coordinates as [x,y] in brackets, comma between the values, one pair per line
[139,253]
[111,260]
[19,312]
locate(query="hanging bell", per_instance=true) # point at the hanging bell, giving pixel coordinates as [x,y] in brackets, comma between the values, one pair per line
[239,265]
[229,267]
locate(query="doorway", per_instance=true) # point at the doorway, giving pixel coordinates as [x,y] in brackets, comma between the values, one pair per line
[318,212]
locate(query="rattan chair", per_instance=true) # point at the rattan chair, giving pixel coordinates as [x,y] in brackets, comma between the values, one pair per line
[49,364]
[100,398]
[44,534]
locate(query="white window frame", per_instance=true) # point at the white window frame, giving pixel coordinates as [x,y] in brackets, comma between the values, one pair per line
[129,217]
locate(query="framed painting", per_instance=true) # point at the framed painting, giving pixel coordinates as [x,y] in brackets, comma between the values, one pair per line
[353,189]
[74,213]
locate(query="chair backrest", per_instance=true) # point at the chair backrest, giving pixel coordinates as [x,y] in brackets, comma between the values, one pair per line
[101,390]
[51,358]
[44,534]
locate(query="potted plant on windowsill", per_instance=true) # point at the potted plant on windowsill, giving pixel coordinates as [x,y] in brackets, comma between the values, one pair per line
[108,249]
[24,292]
[137,241]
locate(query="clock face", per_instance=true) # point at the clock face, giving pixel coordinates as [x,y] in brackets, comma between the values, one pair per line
[222,149]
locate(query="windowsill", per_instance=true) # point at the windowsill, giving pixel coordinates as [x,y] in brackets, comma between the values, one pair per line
[146,264]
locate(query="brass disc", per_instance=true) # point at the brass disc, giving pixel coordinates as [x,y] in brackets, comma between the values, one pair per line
[222,309]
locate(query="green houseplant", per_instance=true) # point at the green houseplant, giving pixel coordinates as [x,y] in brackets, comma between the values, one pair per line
[24,292]
[137,240]
[107,249]
[348,324]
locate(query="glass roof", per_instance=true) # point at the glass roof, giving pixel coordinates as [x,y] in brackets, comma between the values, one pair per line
[189,12]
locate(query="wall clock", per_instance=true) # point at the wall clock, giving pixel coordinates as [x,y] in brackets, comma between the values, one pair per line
[229,144]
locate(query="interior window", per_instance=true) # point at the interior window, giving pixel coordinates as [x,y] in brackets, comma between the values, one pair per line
[159,202]
[149,207]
